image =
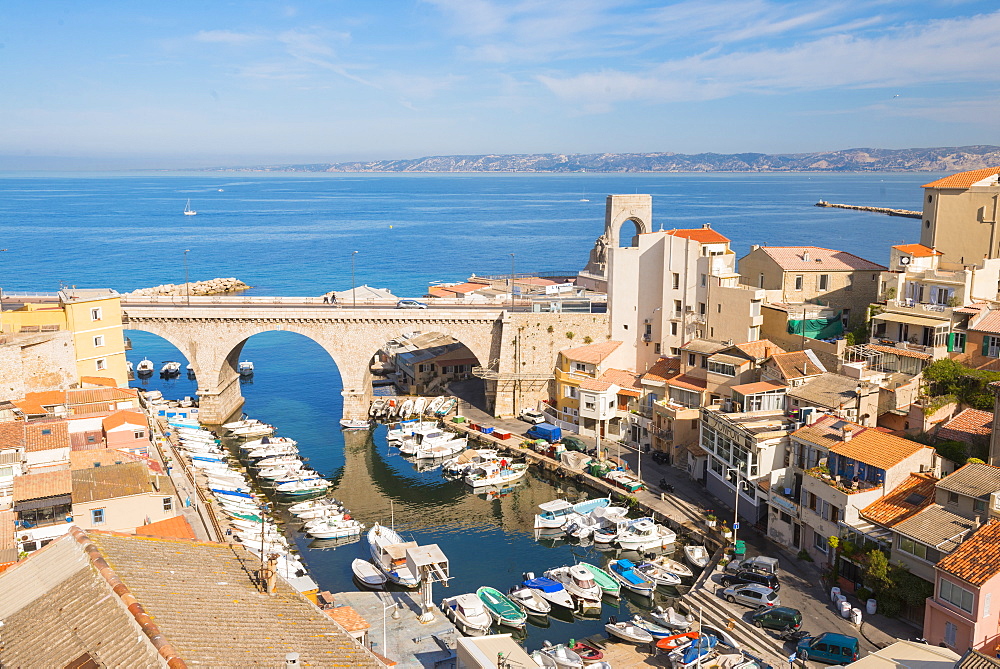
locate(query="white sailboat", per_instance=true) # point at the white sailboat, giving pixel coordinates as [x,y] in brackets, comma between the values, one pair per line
[188,211]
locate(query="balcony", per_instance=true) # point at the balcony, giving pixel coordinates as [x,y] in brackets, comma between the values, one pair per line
[784,503]
[675,411]
[908,306]
[834,481]
[647,338]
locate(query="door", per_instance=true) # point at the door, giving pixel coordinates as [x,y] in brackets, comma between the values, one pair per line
[796,535]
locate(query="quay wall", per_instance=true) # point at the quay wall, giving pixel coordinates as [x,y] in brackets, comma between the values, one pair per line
[37,363]
[906,213]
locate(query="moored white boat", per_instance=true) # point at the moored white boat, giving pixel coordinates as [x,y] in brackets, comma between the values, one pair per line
[668,617]
[559,512]
[145,368]
[245,368]
[337,529]
[367,574]
[468,614]
[579,583]
[170,368]
[490,473]
[624,572]
[697,556]
[349,424]
[673,566]
[658,574]
[388,551]
[628,631]
[529,600]
[551,590]
[563,656]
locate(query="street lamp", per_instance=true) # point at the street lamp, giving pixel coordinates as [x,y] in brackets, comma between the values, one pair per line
[394,605]
[187,284]
[354,288]
[736,505]
[512,282]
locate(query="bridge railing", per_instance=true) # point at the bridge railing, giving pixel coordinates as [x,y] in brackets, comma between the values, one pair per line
[209,300]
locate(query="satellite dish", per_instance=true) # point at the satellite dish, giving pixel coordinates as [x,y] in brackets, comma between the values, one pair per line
[905,260]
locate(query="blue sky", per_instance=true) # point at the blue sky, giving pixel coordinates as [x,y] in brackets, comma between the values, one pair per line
[173,84]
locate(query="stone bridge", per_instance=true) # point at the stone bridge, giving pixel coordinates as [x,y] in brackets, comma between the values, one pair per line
[517,349]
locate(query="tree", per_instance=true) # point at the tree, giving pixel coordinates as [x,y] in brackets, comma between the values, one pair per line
[877,574]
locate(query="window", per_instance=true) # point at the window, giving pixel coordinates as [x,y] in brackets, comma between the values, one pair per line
[722,368]
[570,391]
[100,364]
[785,518]
[168,503]
[979,506]
[579,367]
[760,280]
[692,359]
[850,282]
[97,516]
[720,308]
[704,280]
[95,314]
[590,406]
[673,328]
[677,308]
[138,434]
[754,308]
[991,346]
[656,348]
[676,280]
[99,340]
[91,438]
[824,281]
[820,543]
[955,595]
[912,547]
[704,362]
[702,309]
[674,350]
[953,498]
[798,282]
[649,329]
[950,632]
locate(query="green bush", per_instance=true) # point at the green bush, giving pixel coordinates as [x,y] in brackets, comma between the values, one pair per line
[947,377]
[803,555]
[863,593]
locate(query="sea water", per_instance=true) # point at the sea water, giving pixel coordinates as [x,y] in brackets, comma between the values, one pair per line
[294,235]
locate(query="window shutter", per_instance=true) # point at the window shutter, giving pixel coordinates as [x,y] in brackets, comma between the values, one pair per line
[986,345]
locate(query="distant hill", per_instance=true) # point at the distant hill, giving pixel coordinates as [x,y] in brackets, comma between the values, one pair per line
[941,159]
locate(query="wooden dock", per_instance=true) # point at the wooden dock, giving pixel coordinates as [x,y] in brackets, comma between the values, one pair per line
[906,213]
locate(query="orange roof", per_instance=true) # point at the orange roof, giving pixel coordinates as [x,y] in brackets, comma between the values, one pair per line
[872,447]
[797,364]
[662,369]
[903,501]
[977,559]
[124,417]
[705,235]
[461,288]
[42,484]
[349,619]
[689,382]
[35,403]
[988,323]
[968,425]
[99,381]
[627,381]
[11,434]
[917,250]
[964,179]
[592,353]
[594,384]
[758,350]
[758,387]
[172,528]
[904,353]
[46,435]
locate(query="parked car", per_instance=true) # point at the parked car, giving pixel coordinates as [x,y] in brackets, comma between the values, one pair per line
[759,564]
[660,457]
[576,444]
[777,618]
[829,647]
[410,304]
[747,577]
[532,416]
[754,596]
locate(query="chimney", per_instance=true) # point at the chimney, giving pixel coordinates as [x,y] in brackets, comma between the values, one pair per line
[292,660]
[848,433]
[805,256]
[706,226]
[977,522]
[767,352]
[269,574]
[754,247]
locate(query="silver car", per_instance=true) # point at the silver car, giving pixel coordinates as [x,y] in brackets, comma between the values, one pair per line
[754,596]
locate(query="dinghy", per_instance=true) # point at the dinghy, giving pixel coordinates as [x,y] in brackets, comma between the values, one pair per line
[674,567]
[563,656]
[676,641]
[468,614]
[658,631]
[607,583]
[658,574]
[367,574]
[628,631]
[529,600]
[501,608]
[697,556]
[669,617]
[589,654]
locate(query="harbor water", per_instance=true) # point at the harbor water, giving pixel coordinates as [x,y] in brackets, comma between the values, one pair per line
[293,235]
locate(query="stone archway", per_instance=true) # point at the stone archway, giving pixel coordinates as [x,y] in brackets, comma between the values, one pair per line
[622,209]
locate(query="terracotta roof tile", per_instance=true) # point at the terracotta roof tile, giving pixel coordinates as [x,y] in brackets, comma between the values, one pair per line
[758,387]
[973,309]
[46,435]
[760,349]
[797,364]
[662,369]
[172,528]
[701,235]
[820,260]
[903,353]
[42,484]
[622,378]
[592,353]
[973,659]
[872,447]
[12,434]
[124,417]
[967,425]
[903,501]
[689,382]
[917,250]
[989,323]
[102,457]
[99,381]
[977,560]
[594,384]
[96,483]
[964,179]
[349,619]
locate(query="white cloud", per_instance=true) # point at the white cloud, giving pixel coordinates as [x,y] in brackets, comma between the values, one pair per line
[225,37]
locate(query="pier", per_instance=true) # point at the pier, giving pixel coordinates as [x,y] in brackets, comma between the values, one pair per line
[905,213]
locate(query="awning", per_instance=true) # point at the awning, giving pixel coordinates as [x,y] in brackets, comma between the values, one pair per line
[910,320]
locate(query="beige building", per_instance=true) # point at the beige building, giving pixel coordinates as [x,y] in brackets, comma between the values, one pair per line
[801,274]
[121,498]
[960,216]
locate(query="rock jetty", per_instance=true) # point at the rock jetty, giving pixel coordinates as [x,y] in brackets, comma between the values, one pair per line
[210,287]
[907,213]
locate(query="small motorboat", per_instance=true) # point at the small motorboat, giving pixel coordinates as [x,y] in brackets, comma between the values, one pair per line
[245,368]
[501,608]
[468,614]
[303,487]
[434,405]
[674,567]
[490,473]
[642,534]
[609,586]
[446,407]
[559,512]
[170,368]
[551,590]
[349,424]
[337,529]
[677,641]
[529,600]
[145,368]
[579,583]
[624,572]
[658,574]
[406,409]
[628,631]
[543,660]
[419,405]
[563,656]
[250,431]
[658,631]
[589,654]
[375,410]
[367,574]
[697,556]
[669,617]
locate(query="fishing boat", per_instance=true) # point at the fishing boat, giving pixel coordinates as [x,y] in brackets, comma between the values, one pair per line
[468,614]
[553,591]
[406,428]
[579,583]
[673,566]
[641,534]
[245,368]
[349,424]
[388,551]
[607,583]
[501,608]
[529,600]
[624,572]
[658,631]
[563,656]
[676,641]
[367,574]
[559,512]
[188,211]
[491,473]
[336,529]
[468,459]
[697,556]
[170,368]
[658,574]
[669,617]
[628,631]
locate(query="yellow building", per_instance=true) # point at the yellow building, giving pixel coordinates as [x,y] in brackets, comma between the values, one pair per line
[960,216]
[93,317]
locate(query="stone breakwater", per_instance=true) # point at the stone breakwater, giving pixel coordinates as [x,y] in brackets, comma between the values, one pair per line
[906,213]
[210,287]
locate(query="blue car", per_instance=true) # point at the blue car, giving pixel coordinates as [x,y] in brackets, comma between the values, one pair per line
[829,647]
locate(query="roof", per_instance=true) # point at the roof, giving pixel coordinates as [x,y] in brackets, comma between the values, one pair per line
[124,417]
[967,426]
[102,457]
[46,436]
[964,179]
[99,381]
[689,382]
[594,384]
[792,258]
[703,235]
[977,560]
[592,353]
[903,353]
[973,659]
[975,479]
[908,498]
[872,447]
[97,483]
[461,288]
[917,250]
[989,323]
[172,528]
[12,434]
[348,618]
[798,364]
[905,654]
[758,350]
[42,484]
[973,309]
[827,390]
[662,369]
[936,526]
[627,382]
[35,403]
[758,387]
[707,346]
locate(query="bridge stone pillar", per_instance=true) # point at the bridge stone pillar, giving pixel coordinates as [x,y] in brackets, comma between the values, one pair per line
[218,403]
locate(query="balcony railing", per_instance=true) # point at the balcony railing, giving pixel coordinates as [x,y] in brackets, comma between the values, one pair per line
[906,305]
